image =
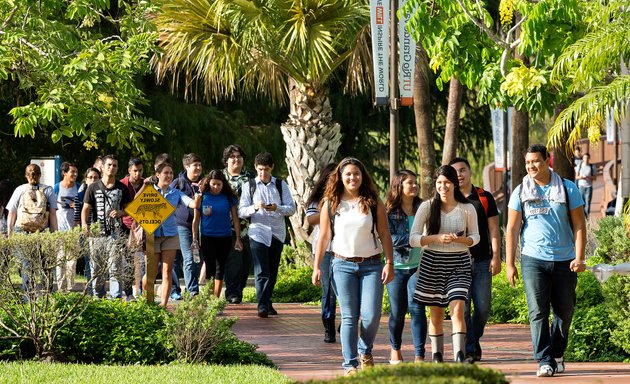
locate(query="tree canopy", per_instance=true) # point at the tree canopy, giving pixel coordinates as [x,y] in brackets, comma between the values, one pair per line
[72,67]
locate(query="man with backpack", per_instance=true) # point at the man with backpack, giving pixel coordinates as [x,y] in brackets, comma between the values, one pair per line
[585,173]
[266,201]
[546,211]
[32,208]
[239,262]
[486,258]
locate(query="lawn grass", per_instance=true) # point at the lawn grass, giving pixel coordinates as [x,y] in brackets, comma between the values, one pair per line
[33,372]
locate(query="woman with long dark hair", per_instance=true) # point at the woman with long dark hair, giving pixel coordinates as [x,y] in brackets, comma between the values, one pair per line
[212,224]
[401,203]
[354,219]
[329,300]
[445,226]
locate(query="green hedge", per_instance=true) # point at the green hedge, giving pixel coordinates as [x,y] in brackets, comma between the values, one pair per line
[424,373]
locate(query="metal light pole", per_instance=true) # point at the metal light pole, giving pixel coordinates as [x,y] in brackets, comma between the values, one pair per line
[394,102]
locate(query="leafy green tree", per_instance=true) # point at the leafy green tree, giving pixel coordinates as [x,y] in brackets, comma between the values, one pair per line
[597,67]
[271,48]
[75,65]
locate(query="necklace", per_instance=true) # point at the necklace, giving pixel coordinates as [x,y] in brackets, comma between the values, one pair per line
[353,203]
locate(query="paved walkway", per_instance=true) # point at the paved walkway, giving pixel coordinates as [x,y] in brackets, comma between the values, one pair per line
[294,341]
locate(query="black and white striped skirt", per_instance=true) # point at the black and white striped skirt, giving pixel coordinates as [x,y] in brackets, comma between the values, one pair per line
[442,278]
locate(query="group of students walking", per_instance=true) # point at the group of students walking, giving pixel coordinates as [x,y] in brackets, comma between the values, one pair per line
[441,253]
[437,253]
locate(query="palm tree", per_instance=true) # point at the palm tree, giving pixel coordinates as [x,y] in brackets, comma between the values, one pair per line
[273,48]
[597,66]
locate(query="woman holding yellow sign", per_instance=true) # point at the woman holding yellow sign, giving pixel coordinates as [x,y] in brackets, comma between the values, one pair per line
[166,239]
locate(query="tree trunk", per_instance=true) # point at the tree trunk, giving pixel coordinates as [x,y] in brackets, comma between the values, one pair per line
[424,128]
[520,142]
[563,163]
[312,140]
[451,141]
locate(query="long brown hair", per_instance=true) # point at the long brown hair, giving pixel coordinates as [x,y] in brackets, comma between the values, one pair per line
[320,185]
[435,214]
[368,192]
[393,200]
[216,174]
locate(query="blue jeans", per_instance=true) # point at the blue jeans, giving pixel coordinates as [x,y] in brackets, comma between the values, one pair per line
[480,294]
[237,269]
[549,286]
[400,292]
[177,272]
[266,263]
[587,193]
[359,290]
[329,300]
[191,269]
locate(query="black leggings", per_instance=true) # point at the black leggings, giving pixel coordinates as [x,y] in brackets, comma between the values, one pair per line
[215,251]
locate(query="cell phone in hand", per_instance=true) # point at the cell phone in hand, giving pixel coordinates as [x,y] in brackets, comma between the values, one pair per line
[460,233]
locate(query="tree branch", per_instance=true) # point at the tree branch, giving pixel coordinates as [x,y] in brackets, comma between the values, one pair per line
[9,17]
[493,36]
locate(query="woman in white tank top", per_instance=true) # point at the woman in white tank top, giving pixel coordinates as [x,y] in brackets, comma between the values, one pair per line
[354,219]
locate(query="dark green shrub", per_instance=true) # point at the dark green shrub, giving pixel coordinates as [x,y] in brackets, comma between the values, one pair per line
[508,303]
[294,286]
[116,332]
[426,373]
[235,351]
[589,336]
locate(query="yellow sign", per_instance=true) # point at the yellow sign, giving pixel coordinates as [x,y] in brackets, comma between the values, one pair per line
[149,209]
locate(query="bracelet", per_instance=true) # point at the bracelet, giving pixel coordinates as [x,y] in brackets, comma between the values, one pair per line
[389,262]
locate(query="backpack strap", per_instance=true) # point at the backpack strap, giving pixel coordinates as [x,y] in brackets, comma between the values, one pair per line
[279,188]
[483,199]
[373,211]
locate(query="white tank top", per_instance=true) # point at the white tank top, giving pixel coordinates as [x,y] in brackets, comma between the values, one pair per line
[353,232]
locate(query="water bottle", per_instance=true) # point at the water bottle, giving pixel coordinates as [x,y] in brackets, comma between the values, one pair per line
[194,248]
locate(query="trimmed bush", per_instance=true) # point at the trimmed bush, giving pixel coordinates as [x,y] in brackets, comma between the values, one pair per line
[425,373]
[294,286]
[117,332]
[508,303]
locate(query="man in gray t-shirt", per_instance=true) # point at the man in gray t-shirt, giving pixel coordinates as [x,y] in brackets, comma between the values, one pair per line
[585,173]
[66,191]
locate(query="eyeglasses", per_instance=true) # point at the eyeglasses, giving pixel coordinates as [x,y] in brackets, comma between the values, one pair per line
[92,177]
[236,157]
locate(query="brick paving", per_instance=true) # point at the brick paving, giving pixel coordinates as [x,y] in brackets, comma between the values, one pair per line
[294,341]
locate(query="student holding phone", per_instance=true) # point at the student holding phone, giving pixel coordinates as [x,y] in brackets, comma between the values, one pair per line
[445,226]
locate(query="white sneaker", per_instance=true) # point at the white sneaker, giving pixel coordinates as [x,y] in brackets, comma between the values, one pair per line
[560,365]
[544,371]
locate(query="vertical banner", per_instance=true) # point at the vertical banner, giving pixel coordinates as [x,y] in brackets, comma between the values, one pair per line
[407,61]
[379,17]
[496,116]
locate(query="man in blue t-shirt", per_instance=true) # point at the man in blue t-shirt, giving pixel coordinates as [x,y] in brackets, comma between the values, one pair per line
[553,237]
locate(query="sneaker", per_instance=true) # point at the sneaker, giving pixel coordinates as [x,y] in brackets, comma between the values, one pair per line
[367,361]
[273,312]
[438,358]
[560,365]
[545,370]
[351,371]
[469,359]
[263,313]
[176,296]
[477,354]
[233,300]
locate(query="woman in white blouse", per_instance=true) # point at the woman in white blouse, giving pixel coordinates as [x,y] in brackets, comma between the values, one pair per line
[354,218]
[445,226]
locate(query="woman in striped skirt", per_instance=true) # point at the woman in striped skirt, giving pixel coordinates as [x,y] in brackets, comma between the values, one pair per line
[445,226]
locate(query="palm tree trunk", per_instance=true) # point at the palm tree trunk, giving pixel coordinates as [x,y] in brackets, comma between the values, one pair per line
[312,140]
[424,128]
[563,164]
[451,141]
[520,142]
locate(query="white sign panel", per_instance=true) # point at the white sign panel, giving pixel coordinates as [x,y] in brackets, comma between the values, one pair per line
[497,137]
[379,16]
[407,59]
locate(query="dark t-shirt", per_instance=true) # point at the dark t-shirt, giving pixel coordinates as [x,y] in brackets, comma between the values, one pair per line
[483,250]
[103,201]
